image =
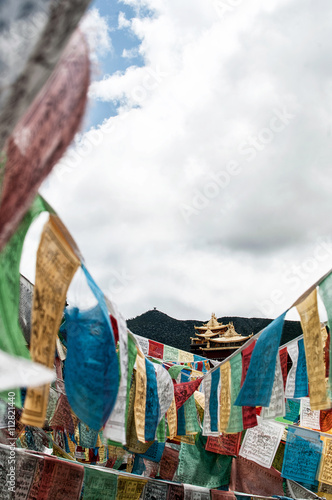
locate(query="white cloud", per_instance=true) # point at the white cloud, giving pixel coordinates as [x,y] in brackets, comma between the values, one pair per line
[97,33]
[130,53]
[123,22]
[253,87]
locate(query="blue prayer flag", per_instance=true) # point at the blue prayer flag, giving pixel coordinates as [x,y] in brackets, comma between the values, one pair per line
[152,402]
[302,455]
[91,367]
[181,430]
[154,453]
[301,379]
[214,400]
[257,387]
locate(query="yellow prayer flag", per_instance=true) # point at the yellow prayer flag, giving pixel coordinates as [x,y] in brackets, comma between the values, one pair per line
[172,420]
[195,374]
[130,488]
[71,446]
[200,398]
[56,266]
[130,464]
[132,442]
[59,452]
[325,491]
[185,357]
[313,344]
[188,439]
[225,396]
[323,494]
[325,472]
[140,396]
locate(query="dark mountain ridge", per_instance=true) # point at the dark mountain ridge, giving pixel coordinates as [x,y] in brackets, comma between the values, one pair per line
[160,327]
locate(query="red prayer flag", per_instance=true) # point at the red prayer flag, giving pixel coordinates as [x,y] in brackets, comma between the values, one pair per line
[183,391]
[327,355]
[156,350]
[59,479]
[43,134]
[283,354]
[62,418]
[169,463]
[225,495]
[115,329]
[226,444]
[248,412]
[249,477]
[325,420]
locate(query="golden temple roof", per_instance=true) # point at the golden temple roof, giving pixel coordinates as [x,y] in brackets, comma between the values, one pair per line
[231,332]
[208,334]
[218,332]
[234,338]
[213,322]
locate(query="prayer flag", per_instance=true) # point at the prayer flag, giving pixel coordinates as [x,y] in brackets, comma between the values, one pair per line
[56,265]
[314,351]
[257,387]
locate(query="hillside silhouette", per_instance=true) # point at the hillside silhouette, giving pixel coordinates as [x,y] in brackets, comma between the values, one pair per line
[160,327]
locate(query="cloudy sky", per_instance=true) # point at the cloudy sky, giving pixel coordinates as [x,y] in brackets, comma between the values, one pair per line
[200,180]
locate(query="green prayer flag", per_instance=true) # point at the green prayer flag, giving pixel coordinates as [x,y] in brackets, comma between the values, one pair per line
[279,457]
[175,370]
[99,484]
[235,422]
[190,412]
[11,336]
[325,292]
[132,354]
[203,468]
[171,353]
[161,431]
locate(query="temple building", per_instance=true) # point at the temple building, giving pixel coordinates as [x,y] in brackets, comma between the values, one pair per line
[215,340]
